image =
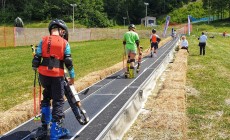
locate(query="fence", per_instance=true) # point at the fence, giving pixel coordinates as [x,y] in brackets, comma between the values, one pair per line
[16,36]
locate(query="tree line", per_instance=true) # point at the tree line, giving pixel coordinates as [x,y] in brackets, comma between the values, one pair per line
[99,13]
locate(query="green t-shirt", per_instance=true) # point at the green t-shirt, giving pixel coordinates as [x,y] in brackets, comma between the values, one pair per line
[130,37]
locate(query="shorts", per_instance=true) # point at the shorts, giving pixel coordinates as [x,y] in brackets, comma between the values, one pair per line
[131,51]
[154,45]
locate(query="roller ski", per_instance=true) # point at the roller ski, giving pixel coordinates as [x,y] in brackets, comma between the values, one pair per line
[74,102]
[130,72]
[40,134]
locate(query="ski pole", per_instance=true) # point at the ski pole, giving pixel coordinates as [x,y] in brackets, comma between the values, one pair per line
[36,116]
[34,93]
[124,58]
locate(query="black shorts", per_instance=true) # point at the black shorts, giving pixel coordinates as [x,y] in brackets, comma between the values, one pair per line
[154,45]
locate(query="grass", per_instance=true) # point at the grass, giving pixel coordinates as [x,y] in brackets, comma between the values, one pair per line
[208,113]
[16,82]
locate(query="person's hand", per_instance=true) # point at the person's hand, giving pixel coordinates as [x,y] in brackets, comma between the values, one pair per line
[35,68]
[71,81]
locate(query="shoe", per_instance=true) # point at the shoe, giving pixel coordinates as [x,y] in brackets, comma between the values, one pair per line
[57,131]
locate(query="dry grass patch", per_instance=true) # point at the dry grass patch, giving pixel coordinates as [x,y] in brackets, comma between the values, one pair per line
[164,115]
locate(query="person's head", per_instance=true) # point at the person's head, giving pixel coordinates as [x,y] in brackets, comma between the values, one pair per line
[154,31]
[132,27]
[202,33]
[59,26]
[183,37]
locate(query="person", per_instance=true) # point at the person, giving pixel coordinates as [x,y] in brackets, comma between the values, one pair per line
[173,33]
[52,53]
[184,43]
[154,41]
[131,43]
[202,43]
[139,59]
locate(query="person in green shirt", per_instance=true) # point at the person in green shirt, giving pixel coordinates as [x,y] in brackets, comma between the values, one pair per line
[131,44]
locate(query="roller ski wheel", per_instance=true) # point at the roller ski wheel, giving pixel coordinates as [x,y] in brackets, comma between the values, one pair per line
[138,69]
[126,74]
[40,134]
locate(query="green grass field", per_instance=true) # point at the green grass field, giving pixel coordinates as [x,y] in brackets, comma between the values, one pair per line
[16,82]
[207,110]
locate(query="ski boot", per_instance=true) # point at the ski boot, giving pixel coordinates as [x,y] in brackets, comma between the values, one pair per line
[42,131]
[128,68]
[151,54]
[57,131]
[138,68]
[126,74]
[131,73]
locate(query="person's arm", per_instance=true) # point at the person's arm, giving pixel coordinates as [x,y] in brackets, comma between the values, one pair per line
[187,43]
[37,57]
[69,63]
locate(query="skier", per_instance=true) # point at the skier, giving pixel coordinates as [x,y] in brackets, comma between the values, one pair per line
[154,41]
[131,43]
[139,59]
[51,54]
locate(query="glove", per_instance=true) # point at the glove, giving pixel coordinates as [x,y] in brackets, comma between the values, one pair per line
[35,68]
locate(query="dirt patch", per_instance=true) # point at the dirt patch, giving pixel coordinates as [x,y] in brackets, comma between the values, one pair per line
[23,112]
[164,114]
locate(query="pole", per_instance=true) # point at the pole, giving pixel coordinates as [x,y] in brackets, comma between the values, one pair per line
[124,20]
[146,4]
[73,5]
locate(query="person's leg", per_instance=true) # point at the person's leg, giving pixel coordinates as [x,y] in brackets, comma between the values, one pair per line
[204,49]
[45,103]
[57,130]
[152,49]
[201,48]
[42,131]
[127,63]
[132,64]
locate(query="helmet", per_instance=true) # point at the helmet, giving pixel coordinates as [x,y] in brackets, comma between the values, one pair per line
[57,23]
[154,31]
[132,26]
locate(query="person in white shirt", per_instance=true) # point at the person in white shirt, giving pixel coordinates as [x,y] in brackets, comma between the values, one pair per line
[202,43]
[184,43]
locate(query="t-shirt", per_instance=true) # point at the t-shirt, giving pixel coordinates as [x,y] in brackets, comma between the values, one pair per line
[154,38]
[203,39]
[131,37]
[184,43]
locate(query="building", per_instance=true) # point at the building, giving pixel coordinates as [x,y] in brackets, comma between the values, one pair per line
[151,21]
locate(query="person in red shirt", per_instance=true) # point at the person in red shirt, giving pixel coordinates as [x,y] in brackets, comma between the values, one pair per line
[154,41]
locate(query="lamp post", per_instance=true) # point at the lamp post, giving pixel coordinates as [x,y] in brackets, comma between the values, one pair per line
[124,20]
[146,4]
[73,5]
